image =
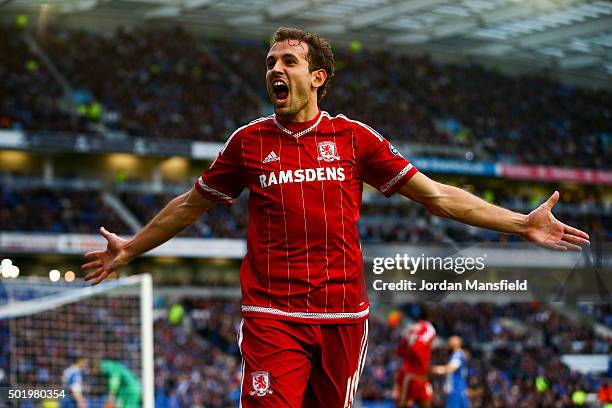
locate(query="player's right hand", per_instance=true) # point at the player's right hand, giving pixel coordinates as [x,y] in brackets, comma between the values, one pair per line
[108,261]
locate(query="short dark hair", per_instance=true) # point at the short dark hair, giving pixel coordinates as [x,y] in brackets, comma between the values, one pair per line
[319,55]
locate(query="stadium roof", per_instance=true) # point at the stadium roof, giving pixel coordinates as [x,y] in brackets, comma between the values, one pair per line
[565,36]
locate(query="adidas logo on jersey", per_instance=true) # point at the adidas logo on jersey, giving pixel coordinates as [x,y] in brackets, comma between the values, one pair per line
[302,175]
[271,157]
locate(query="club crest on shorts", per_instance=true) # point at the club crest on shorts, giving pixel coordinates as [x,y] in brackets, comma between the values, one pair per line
[260,381]
[327,151]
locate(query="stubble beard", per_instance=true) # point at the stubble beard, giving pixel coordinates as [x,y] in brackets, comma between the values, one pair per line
[295,106]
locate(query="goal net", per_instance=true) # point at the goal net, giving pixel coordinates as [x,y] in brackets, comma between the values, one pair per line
[47,329]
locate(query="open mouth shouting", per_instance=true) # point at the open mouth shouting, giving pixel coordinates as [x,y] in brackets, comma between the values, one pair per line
[280,89]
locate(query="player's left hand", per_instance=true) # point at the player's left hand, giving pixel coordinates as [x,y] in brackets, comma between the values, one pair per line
[545,230]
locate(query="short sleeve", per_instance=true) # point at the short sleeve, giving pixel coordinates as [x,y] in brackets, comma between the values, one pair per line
[381,164]
[76,382]
[225,178]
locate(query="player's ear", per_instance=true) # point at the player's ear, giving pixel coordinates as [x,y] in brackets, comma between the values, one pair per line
[318,77]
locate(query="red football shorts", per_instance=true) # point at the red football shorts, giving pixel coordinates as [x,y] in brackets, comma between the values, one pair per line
[295,365]
[413,388]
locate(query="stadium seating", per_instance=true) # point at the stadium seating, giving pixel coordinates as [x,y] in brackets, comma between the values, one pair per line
[56,211]
[30,98]
[219,222]
[503,365]
[163,84]
[556,135]
[170,84]
[523,119]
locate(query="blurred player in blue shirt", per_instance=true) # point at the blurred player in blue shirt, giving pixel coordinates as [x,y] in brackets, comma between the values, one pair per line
[456,375]
[72,380]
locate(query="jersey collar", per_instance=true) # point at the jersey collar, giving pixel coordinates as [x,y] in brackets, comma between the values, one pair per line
[315,122]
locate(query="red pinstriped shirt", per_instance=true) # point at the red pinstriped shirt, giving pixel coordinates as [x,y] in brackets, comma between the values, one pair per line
[415,347]
[303,260]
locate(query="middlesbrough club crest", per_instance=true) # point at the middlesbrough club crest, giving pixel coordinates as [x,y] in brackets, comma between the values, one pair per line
[327,151]
[260,381]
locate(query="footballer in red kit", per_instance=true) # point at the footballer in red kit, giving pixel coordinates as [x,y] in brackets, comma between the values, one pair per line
[303,261]
[411,382]
[304,333]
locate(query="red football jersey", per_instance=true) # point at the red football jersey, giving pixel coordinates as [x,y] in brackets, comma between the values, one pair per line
[415,347]
[303,260]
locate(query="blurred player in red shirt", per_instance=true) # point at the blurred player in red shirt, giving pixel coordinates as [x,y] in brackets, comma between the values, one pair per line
[411,382]
[605,392]
[304,332]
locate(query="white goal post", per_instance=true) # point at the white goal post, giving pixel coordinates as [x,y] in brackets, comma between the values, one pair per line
[48,324]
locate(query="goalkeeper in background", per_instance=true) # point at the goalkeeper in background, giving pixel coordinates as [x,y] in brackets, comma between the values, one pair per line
[124,389]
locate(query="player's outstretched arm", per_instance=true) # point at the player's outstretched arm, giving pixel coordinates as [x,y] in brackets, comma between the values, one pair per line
[177,215]
[539,226]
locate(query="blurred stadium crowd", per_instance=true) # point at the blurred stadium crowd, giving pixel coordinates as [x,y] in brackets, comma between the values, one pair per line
[166,83]
[514,354]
